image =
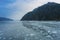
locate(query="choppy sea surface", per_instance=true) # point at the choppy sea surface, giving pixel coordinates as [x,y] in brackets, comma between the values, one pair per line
[29,30]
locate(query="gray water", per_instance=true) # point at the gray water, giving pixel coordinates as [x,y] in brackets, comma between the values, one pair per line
[30,30]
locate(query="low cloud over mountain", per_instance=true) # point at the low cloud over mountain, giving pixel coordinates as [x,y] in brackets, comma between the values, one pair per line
[5,19]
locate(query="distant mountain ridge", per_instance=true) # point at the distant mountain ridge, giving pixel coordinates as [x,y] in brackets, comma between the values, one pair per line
[5,19]
[49,11]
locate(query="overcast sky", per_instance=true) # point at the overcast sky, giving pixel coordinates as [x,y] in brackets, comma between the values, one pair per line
[16,9]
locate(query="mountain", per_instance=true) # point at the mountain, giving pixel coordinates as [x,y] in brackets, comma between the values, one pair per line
[5,19]
[46,12]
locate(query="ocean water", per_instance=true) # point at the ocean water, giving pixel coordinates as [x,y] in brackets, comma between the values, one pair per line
[30,30]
